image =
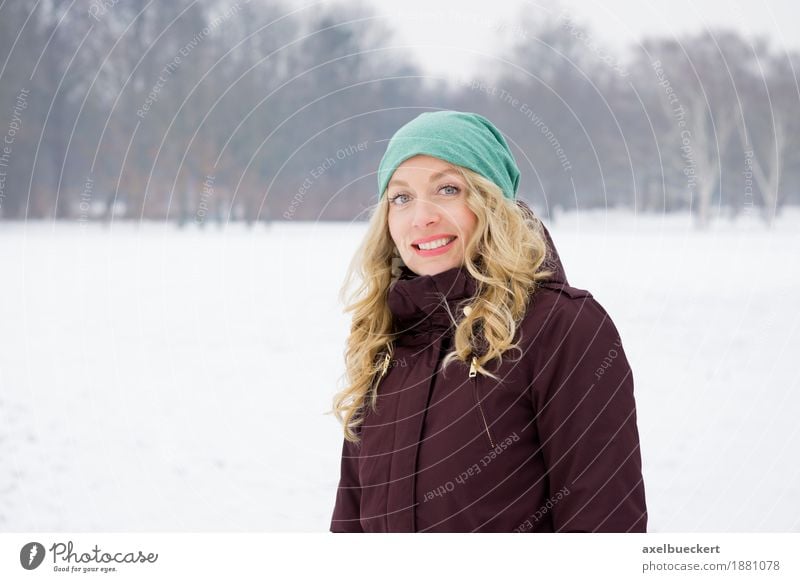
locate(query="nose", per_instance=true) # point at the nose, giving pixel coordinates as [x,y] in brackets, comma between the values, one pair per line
[426,213]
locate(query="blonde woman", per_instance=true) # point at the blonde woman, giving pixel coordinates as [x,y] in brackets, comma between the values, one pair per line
[483,393]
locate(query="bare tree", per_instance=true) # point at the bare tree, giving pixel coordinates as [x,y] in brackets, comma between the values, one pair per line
[770,128]
[699,106]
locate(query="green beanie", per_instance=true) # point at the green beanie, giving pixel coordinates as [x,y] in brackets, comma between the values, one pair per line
[463,139]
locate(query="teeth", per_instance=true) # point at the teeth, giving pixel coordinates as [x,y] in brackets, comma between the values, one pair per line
[435,244]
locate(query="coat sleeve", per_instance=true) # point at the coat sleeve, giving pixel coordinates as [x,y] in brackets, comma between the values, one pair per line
[586,423]
[347,509]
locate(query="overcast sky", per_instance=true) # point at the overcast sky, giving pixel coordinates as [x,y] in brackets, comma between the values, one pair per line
[484,27]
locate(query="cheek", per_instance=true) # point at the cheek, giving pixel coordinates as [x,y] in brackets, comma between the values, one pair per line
[395,229]
[467,222]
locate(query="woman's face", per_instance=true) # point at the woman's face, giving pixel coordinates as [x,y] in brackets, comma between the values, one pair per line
[429,219]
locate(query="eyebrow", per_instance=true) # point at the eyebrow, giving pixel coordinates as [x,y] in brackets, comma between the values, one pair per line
[433,177]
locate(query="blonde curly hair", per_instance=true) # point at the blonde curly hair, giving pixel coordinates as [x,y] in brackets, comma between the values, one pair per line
[505,256]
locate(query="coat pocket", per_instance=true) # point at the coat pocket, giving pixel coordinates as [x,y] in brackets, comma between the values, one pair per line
[479,408]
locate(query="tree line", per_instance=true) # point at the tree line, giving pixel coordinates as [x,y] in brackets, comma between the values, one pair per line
[208,110]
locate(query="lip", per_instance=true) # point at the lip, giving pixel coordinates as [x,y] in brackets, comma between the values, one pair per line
[436,251]
[433,237]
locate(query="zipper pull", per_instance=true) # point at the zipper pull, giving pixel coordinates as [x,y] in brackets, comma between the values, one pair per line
[473,367]
[387,359]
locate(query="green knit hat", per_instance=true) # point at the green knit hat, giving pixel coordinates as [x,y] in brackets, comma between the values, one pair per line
[464,139]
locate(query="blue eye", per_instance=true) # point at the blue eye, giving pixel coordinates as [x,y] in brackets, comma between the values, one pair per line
[402,199]
[392,199]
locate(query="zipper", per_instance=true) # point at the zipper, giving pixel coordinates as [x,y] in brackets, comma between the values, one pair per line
[473,372]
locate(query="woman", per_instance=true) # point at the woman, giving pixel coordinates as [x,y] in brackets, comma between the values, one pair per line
[484,394]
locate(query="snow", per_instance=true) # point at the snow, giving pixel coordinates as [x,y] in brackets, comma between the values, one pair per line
[157,379]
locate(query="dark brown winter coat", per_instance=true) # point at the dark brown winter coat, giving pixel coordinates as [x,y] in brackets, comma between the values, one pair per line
[552,446]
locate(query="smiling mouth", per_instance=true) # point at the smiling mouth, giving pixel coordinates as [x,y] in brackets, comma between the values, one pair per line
[434,244]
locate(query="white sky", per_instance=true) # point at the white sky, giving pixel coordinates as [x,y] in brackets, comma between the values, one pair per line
[487,26]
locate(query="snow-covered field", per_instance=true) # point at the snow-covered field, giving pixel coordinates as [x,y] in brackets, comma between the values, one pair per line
[158,379]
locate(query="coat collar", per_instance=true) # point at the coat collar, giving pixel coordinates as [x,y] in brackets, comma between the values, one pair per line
[421,303]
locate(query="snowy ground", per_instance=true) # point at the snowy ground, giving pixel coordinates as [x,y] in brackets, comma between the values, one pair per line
[156,379]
